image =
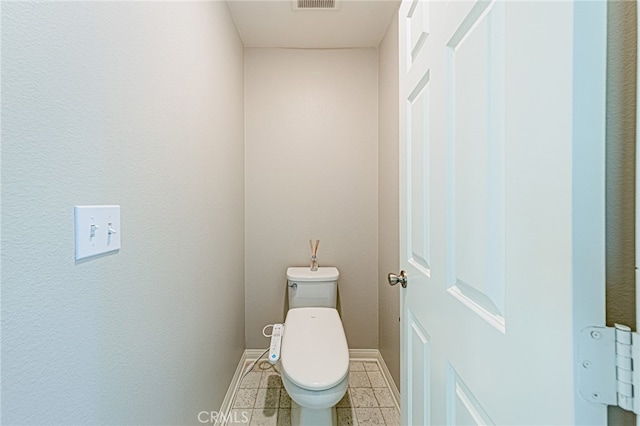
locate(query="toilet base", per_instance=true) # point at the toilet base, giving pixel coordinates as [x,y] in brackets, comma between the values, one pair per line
[301,416]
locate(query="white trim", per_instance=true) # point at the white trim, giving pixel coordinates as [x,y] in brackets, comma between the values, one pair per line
[363,354]
[252,354]
[390,382]
[247,356]
[233,387]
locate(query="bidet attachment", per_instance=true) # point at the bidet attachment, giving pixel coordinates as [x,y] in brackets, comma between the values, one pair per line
[276,342]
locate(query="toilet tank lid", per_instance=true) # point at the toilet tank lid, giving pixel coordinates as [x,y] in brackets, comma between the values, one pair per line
[325,273]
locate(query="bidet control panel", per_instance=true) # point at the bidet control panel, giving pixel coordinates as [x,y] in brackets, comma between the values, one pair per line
[276,340]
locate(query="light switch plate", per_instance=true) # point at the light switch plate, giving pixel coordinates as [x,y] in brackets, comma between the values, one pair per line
[97,230]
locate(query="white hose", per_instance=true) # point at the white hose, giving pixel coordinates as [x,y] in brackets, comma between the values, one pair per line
[253,364]
[265,327]
[264,333]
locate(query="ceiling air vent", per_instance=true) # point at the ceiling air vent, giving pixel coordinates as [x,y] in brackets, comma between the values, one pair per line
[316,4]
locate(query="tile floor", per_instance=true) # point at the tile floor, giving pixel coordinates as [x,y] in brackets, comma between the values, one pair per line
[262,400]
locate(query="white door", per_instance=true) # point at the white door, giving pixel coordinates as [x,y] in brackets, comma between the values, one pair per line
[502,208]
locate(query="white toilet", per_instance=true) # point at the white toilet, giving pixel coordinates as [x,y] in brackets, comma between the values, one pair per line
[314,353]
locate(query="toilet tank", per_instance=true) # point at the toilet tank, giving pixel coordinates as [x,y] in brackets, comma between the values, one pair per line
[312,289]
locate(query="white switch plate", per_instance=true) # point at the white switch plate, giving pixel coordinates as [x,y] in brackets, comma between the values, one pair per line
[96,239]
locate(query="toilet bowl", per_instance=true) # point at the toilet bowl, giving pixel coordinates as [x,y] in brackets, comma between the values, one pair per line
[315,364]
[314,352]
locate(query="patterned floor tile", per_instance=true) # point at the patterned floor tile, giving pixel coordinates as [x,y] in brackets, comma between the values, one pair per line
[284,417]
[266,366]
[261,399]
[285,399]
[346,416]
[245,398]
[359,379]
[356,366]
[345,401]
[251,380]
[240,416]
[267,398]
[369,416]
[376,379]
[371,366]
[391,416]
[264,417]
[270,379]
[363,397]
[384,398]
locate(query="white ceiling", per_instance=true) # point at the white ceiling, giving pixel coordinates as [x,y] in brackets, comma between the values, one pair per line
[273,23]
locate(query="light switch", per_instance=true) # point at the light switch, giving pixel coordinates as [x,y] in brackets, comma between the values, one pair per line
[97,230]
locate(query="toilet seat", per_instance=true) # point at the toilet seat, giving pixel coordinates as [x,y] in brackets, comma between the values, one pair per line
[314,352]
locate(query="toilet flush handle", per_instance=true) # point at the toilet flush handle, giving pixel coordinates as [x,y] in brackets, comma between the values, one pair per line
[292,285]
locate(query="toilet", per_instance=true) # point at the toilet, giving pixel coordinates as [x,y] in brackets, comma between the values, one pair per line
[314,352]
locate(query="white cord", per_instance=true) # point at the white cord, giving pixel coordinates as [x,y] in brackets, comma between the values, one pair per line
[265,327]
[253,364]
[264,333]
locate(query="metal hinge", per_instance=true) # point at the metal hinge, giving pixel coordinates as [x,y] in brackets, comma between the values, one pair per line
[606,356]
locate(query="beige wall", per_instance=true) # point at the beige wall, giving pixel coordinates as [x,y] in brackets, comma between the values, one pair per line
[311,156]
[388,200]
[621,147]
[137,104]
[621,144]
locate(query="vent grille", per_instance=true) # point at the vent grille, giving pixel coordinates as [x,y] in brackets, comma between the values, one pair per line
[315,4]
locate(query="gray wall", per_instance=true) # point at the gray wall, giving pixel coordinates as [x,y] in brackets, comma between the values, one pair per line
[311,173]
[137,104]
[621,146]
[388,200]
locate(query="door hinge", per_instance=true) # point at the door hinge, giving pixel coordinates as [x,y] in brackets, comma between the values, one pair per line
[607,375]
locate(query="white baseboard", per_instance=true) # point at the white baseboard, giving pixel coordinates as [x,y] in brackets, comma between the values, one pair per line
[253,354]
[363,354]
[231,391]
[390,382]
[247,356]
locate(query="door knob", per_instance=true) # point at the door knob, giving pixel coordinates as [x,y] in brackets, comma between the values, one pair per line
[395,279]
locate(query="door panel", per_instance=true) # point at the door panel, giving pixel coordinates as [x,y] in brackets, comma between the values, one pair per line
[475,161]
[418,169]
[418,356]
[417,29]
[492,208]
[463,407]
